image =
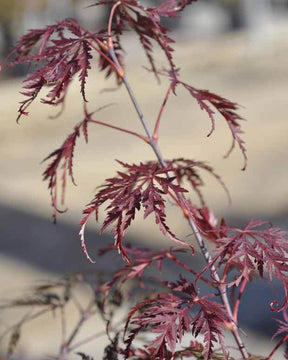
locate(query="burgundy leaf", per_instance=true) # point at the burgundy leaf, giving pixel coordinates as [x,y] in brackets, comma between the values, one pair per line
[59,52]
[169,316]
[255,249]
[210,102]
[146,24]
[209,322]
[283,328]
[141,259]
[142,185]
[187,170]
[62,161]
[170,8]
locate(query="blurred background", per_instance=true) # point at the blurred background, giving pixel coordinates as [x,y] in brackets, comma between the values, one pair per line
[237,49]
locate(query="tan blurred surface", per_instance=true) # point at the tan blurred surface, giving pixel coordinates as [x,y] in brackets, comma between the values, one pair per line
[256,78]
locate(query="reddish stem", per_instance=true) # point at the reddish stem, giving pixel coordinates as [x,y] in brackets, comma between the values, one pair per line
[237,304]
[142,137]
[187,268]
[114,7]
[119,71]
[177,201]
[156,128]
[282,341]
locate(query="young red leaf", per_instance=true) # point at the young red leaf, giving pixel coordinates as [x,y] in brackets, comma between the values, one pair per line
[169,316]
[171,8]
[209,102]
[145,22]
[255,249]
[59,52]
[142,185]
[187,170]
[63,161]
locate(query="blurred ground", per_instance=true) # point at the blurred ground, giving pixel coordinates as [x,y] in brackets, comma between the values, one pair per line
[232,66]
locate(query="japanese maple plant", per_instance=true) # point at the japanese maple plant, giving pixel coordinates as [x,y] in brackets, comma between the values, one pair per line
[177,321]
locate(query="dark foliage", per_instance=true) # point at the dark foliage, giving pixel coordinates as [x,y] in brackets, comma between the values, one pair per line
[254,249]
[225,107]
[63,160]
[145,185]
[56,55]
[170,316]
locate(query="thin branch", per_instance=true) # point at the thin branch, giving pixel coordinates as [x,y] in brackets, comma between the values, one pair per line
[119,71]
[25,319]
[84,316]
[119,129]
[85,341]
[187,268]
[63,326]
[203,248]
[156,128]
[237,303]
[282,341]
[93,337]
[152,142]
[110,42]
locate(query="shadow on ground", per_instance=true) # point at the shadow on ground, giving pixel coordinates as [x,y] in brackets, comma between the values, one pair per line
[57,249]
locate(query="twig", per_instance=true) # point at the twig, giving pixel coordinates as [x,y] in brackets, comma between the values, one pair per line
[237,303]
[156,128]
[282,341]
[119,129]
[84,316]
[222,287]
[187,268]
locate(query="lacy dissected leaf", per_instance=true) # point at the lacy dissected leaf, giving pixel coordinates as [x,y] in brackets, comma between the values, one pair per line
[170,316]
[186,170]
[283,332]
[145,22]
[206,222]
[193,351]
[58,53]
[63,162]
[145,185]
[165,316]
[255,249]
[170,8]
[283,325]
[148,27]
[209,322]
[210,102]
[141,259]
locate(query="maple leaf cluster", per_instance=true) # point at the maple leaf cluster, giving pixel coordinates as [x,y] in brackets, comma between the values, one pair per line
[56,55]
[170,316]
[145,185]
[58,52]
[173,312]
[254,249]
